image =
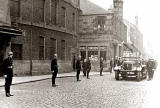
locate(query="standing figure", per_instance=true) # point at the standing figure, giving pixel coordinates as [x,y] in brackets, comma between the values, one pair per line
[88,67]
[101,66]
[116,61]
[54,69]
[78,67]
[150,69]
[8,73]
[74,66]
[111,65]
[84,67]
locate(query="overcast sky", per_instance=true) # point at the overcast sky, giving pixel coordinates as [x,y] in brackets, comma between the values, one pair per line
[147,11]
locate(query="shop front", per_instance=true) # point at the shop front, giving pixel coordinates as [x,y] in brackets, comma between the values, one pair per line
[6,33]
[93,52]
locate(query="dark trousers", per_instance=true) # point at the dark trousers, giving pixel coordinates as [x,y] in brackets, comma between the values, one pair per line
[84,72]
[54,75]
[78,73]
[88,73]
[101,69]
[8,82]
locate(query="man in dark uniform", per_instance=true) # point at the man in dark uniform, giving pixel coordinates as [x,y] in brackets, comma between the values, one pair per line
[8,73]
[101,66]
[54,69]
[78,67]
[88,67]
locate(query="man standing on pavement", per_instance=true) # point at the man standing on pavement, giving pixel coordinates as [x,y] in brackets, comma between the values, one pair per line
[8,73]
[88,67]
[101,66]
[54,69]
[78,67]
[111,65]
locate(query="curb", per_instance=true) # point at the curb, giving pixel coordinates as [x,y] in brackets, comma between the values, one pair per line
[40,80]
[44,79]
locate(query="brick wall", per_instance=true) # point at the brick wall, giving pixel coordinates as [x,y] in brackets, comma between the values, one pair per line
[35,27]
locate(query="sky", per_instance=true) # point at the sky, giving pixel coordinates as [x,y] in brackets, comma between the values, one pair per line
[147,12]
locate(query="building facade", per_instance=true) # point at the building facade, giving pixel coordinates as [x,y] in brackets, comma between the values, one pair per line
[50,26]
[101,32]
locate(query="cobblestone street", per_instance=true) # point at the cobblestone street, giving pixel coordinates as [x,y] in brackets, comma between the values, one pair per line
[96,92]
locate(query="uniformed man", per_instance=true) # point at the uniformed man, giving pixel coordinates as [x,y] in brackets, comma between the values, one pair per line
[78,67]
[8,73]
[101,66]
[54,69]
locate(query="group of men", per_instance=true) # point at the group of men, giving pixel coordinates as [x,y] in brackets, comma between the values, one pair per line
[86,65]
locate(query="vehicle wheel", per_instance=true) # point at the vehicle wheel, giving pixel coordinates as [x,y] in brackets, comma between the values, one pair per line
[116,75]
[139,76]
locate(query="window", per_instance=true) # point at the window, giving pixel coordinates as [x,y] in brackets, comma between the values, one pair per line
[101,23]
[15,8]
[38,11]
[73,21]
[53,47]
[17,51]
[103,55]
[41,48]
[63,49]
[63,17]
[53,11]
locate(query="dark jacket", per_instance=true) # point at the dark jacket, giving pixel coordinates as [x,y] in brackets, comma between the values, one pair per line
[84,65]
[88,65]
[116,62]
[101,63]
[78,65]
[54,66]
[7,64]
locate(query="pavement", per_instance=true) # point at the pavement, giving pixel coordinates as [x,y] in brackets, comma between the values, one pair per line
[28,79]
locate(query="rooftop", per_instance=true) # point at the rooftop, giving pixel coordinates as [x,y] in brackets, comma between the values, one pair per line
[88,7]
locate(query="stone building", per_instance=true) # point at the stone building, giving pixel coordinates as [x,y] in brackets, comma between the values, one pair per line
[50,26]
[104,33]
[101,31]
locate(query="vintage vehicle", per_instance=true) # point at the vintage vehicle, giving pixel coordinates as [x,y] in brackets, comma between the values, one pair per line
[130,67]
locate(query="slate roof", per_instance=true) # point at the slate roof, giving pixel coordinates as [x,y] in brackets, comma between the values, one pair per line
[88,7]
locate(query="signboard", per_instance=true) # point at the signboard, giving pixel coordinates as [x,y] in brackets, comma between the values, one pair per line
[4,13]
[94,48]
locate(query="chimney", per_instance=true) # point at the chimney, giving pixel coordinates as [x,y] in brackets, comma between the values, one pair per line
[136,21]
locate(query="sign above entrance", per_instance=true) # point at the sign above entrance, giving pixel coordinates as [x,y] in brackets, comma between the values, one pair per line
[93,48]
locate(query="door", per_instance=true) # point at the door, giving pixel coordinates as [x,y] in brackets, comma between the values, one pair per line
[1,55]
